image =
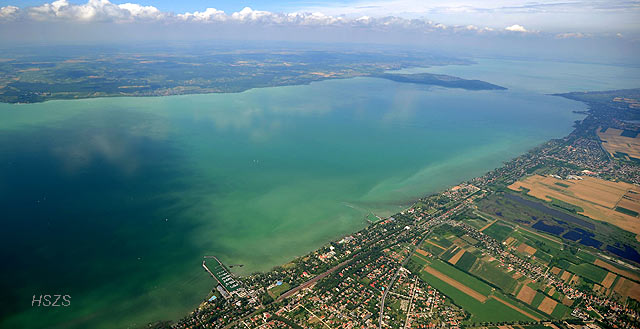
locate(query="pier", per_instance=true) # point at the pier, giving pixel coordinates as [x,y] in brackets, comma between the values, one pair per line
[222,275]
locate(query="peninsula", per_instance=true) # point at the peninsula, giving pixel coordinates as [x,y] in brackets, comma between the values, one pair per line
[150,72]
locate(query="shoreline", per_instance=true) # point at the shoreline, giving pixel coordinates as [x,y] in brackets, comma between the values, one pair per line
[383,76]
[413,224]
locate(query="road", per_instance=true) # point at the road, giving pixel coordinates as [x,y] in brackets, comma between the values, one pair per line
[437,222]
[314,280]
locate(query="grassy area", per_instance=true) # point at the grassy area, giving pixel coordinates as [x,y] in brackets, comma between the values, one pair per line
[276,291]
[476,223]
[586,256]
[560,311]
[466,261]
[627,211]
[372,218]
[565,205]
[441,241]
[540,238]
[461,276]
[496,276]
[415,265]
[498,231]
[537,299]
[588,271]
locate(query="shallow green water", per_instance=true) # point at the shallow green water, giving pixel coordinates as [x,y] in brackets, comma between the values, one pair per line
[544,76]
[114,201]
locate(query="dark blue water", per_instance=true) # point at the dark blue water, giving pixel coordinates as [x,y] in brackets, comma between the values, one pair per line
[625,252]
[552,212]
[553,229]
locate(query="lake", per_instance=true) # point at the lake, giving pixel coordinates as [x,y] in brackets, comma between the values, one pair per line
[114,201]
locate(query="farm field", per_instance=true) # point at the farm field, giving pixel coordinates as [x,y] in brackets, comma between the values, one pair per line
[483,307]
[617,270]
[614,142]
[498,231]
[617,203]
[588,271]
[627,288]
[477,281]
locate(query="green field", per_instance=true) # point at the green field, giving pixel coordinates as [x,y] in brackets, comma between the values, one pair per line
[498,231]
[461,276]
[476,223]
[547,248]
[565,205]
[496,276]
[466,261]
[560,311]
[450,253]
[586,256]
[537,300]
[276,291]
[588,271]
[442,241]
[627,211]
[489,311]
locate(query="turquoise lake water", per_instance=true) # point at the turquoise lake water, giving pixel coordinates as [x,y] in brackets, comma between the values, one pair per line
[115,201]
[544,76]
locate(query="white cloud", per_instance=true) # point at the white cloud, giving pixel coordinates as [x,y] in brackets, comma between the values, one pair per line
[8,12]
[93,10]
[136,10]
[516,28]
[555,16]
[249,15]
[575,35]
[106,11]
[210,14]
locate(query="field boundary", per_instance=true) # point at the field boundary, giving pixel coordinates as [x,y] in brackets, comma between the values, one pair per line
[452,282]
[525,313]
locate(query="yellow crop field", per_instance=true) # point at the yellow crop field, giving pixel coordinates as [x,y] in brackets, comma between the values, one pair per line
[454,260]
[608,280]
[598,198]
[548,305]
[526,249]
[526,294]
[613,142]
[628,288]
[435,244]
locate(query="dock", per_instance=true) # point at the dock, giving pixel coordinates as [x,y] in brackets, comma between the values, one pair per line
[221,274]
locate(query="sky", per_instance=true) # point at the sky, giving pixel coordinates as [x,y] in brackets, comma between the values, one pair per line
[577,16]
[610,24]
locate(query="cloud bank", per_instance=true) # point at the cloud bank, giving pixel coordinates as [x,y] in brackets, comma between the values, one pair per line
[101,21]
[103,11]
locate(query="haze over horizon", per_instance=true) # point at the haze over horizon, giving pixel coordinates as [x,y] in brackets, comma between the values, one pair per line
[595,29]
